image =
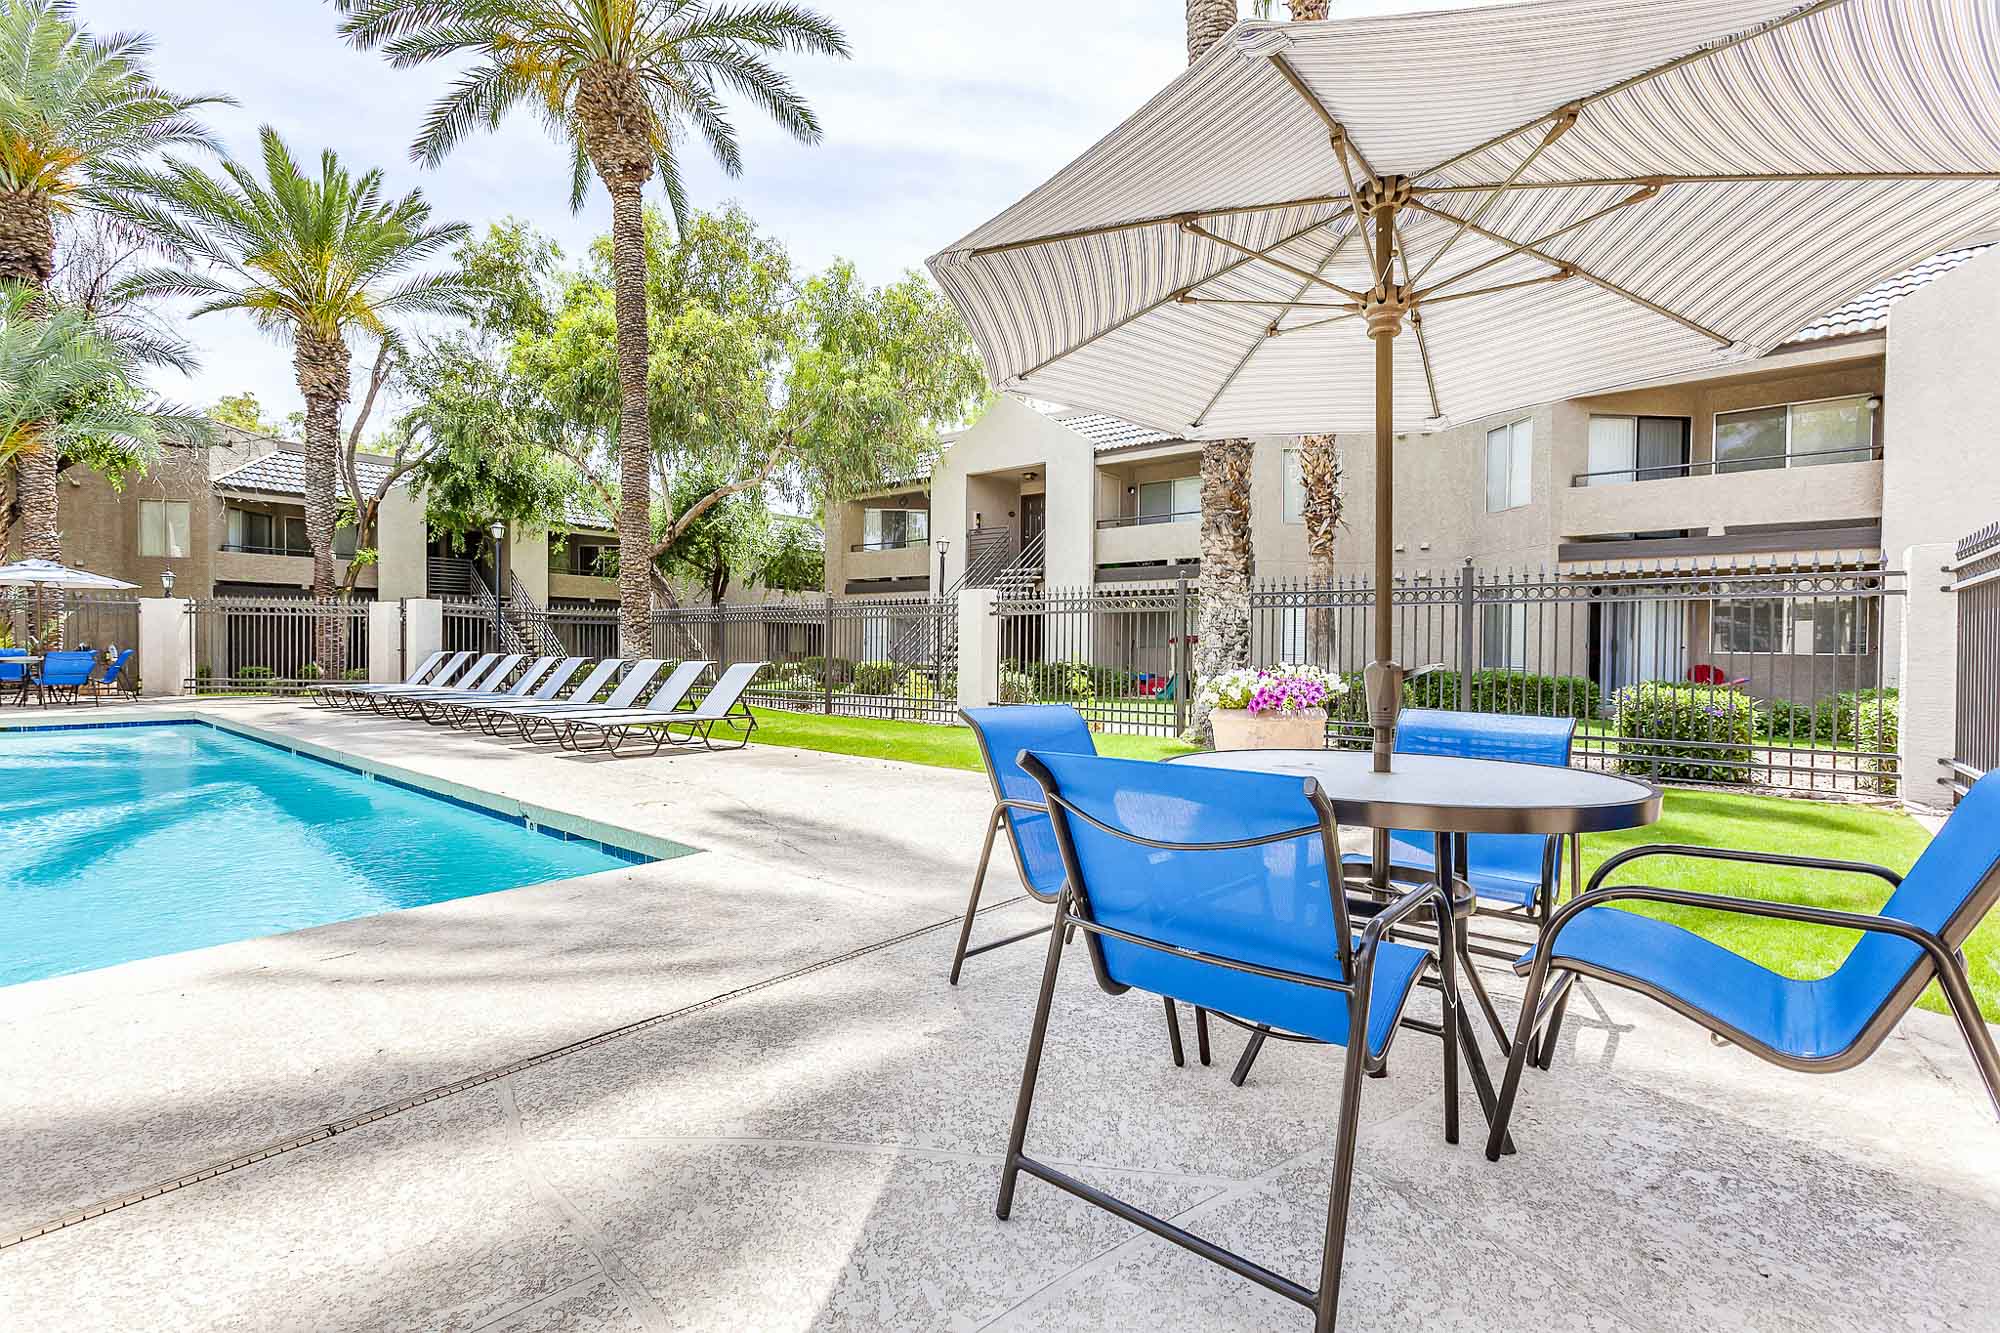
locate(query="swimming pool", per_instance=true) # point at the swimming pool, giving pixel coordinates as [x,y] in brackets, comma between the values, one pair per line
[126,842]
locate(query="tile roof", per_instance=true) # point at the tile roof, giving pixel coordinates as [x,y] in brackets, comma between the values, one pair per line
[1869,312]
[1108,432]
[284,473]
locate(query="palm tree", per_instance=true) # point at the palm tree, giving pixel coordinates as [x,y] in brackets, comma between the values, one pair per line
[622,82]
[1226,557]
[311,259]
[1319,459]
[73,108]
[69,386]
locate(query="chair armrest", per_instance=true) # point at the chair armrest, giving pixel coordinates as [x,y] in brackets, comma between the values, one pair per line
[1380,924]
[1750,858]
[1941,953]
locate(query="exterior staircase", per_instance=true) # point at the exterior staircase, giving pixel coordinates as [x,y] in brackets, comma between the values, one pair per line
[529,620]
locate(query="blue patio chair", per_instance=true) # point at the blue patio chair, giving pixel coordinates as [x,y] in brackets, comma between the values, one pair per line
[65,674]
[1821,1026]
[1223,889]
[115,677]
[1003,732]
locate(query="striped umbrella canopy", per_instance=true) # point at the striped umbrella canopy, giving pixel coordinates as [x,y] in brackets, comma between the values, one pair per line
[1454,214]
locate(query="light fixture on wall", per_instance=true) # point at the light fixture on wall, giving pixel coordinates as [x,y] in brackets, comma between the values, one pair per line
[1027,476]
[166,583]
[1875,403]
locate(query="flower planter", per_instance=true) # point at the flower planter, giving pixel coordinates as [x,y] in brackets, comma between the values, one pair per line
[1241,729]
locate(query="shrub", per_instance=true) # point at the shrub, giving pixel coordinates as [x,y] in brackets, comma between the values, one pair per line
[919,685]
[204,673]
[1838,718]
[1877,731]
[1698,733]
[311,671]
[1016,687]
[1525,694]
[355,673]
[875,677]
[1787,722]
[253,673]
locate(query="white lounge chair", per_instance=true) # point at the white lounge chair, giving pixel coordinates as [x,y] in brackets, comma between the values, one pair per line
[719,708]
[404,702]
[637,677]
[461,712]
[493,716]
[337,696]
[436,708]
[614,726]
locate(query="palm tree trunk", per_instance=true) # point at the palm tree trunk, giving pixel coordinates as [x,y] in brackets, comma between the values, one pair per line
[27,256]
[1319,473]
[322,367]
[635,435]
[1226,557]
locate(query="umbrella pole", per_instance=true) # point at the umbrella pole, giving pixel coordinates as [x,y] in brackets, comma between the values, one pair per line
[1384,311]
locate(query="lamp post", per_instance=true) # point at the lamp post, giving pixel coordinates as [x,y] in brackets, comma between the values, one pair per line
[166,583]
[944,549]
[498,531]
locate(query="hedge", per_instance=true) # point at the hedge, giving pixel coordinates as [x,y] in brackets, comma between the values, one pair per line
[1699,733]
[875,677]
[1878,731]
[1517,693]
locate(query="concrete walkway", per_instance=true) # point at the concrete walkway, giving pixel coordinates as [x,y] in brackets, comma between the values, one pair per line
[797,1124]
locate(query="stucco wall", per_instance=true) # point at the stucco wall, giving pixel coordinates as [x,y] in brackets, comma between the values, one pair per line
[1939,479]
[981,473]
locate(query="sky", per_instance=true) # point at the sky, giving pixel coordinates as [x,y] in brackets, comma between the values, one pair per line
[946,114]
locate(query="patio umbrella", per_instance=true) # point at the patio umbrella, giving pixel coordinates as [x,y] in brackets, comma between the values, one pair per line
[1548,199]
[40,574]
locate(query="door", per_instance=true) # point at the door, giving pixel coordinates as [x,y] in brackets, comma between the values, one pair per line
[1034,517]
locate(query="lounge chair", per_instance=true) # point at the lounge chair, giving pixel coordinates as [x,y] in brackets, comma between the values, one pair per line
[436,708]
[614,727]
[65,674]
[719,708]
[1825,1025]
[492,716]
[404,702]
[637,677]
[459,712]
[347,696]
[459,670]
[1223,889]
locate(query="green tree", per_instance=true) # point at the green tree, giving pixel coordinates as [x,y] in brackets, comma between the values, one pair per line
[622,83]
[74,110]
[312,259]
[67,387]
[243,411]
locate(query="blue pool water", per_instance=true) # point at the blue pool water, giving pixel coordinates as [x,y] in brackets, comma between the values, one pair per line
[126,842]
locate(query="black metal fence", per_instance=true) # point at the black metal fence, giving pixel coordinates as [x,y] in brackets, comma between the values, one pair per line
[100,621]
[1975,585]
[274,645]
[1767,675]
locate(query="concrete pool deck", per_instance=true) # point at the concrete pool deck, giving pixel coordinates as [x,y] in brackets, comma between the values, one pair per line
[800,1125]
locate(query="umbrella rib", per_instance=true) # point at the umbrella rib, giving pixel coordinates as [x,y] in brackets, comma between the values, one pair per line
[1334,128]
[1160,220]
[1558,276]
[1175,295]
[1417,328]
[1556,131]
[1644,76]
[1716,178]
[1592,278]
[1271,303]
[1195,228]
[1543,239]
[1272,330]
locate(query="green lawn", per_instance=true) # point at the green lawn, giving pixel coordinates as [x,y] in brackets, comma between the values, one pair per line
[1706,818]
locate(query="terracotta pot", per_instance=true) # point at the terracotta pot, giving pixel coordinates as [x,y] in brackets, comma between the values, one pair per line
[1240,729]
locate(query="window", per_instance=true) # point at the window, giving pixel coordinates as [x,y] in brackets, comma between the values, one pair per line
[1503,635]
[163,528]
[887,529]
[1626,449]
[1169,501]
[1295,488]
[1748,625]
[1829,625]
[586,558]
[1510,466]
[1833,430]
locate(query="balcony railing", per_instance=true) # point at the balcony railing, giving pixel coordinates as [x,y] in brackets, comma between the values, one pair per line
[245,548]
[1709,467]
[891,544]
[1142,520]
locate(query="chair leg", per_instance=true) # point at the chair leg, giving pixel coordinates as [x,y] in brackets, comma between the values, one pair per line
[1201,1033]
[1174,1032]
[1448,1022]
[972,903]
[1978,1037]
[1249,1057]
[1017,1137]
[1545,1054]
[1327,1307]
[1524,1036]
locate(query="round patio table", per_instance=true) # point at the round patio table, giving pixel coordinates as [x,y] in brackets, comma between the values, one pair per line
[1452,797]
[30,664]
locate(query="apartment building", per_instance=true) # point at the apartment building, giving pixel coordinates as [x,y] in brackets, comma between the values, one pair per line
[1865,435]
